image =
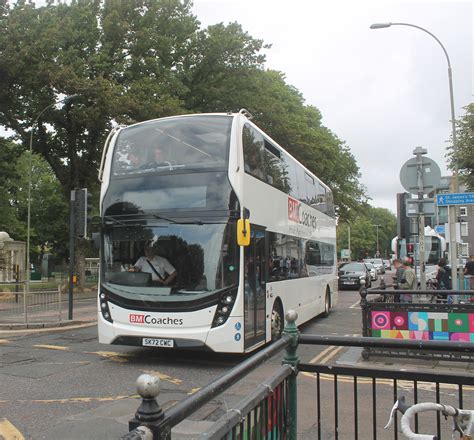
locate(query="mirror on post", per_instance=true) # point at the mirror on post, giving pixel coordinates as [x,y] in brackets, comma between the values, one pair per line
[243,228]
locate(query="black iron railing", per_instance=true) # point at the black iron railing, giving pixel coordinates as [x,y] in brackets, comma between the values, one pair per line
[270,411]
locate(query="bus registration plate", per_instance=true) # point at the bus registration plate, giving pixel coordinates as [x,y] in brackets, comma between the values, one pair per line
[157,342]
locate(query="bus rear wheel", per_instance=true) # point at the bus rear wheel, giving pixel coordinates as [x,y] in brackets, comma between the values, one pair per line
[277,321]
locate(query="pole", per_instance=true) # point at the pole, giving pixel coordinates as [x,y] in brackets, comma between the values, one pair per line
[453,258]
[419,152]
[453,254]
[377,253]
[378,249]
[28,221]
[71,251]
[349,240]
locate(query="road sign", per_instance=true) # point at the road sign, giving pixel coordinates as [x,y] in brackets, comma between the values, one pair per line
[412,207]
[455,199]
[345,253]
[431,175]
[440,229]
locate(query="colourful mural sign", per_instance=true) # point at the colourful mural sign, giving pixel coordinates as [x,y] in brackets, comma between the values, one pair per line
[435,326]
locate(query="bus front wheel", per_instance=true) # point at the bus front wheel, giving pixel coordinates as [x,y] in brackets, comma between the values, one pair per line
[278,321]
[327,304]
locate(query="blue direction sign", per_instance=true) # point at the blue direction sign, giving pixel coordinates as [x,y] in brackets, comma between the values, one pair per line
[455,199]
[440,229]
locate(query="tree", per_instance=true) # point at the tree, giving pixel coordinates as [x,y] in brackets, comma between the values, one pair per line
[130,61]
[49,211]
[364,233]
[464,148]
[9,219]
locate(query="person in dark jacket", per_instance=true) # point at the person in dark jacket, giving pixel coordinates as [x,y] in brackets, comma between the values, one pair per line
[443,277]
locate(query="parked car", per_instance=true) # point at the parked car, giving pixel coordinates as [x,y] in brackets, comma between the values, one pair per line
[372,270]
[387,264]
[378,263]
[351,274]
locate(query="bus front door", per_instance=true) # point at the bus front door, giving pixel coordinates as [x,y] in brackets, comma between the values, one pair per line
[254,304]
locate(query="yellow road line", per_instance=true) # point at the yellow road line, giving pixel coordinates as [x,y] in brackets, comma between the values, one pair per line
[163,376]
[331,355]
[9,432]
[322,354]
[52,347]
[112,355]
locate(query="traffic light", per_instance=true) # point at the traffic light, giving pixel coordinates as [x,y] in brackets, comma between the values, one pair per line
[82,208]
[410,252]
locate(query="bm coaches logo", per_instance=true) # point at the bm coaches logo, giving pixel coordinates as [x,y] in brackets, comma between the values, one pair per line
[297,214]
[136,318]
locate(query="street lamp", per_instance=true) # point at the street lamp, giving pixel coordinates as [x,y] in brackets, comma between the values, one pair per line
[28,221]
[378,250]
[452,209]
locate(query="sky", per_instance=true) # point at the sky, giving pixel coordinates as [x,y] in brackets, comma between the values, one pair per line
[385,91]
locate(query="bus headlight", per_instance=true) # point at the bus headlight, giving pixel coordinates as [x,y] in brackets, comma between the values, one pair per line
[104,307]
[224,307]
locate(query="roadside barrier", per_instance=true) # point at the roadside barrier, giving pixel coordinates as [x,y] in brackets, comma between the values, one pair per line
[270,411]
[34,307]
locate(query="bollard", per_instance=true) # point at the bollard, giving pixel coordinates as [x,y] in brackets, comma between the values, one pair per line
[383,286]
[149,415]
[365,319]
[291,358]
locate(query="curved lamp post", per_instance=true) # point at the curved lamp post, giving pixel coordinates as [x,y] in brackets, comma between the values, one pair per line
[452,209]
[28,222]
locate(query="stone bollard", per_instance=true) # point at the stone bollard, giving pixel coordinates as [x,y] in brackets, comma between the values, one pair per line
[149,416]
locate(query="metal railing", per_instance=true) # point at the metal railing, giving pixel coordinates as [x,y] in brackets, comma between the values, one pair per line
[270,411]
[386,316]
[374,390]
[35,307]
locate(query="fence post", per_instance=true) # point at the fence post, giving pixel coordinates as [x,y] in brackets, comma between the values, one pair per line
[291,358]
[365,316]
[149,414]
[59,303]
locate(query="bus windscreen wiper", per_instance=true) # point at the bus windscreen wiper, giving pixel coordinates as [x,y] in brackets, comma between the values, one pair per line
[183,143]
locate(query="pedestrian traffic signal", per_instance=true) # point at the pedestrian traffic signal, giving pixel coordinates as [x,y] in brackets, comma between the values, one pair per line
[82,208]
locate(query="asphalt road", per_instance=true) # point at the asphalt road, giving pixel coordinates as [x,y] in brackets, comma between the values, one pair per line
[65,385]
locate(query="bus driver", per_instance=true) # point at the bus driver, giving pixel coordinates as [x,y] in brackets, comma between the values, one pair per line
[160,268]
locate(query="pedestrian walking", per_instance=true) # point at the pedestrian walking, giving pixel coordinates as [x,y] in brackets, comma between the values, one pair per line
[408,281]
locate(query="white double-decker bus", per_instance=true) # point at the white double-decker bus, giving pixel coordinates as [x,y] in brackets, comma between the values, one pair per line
[180,197]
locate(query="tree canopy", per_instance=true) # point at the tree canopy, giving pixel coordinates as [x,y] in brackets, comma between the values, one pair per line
[134,60]
[363,232]
[49,209]
[464,155]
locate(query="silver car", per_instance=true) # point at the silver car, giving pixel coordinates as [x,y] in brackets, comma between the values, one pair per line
[373,271]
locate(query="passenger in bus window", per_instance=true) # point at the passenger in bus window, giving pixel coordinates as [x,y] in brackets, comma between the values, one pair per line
[161,270]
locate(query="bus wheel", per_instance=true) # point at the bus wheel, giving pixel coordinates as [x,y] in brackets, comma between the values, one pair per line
[277,321]
[327,304]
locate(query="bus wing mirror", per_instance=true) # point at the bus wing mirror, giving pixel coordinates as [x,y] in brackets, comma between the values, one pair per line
[243,232]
